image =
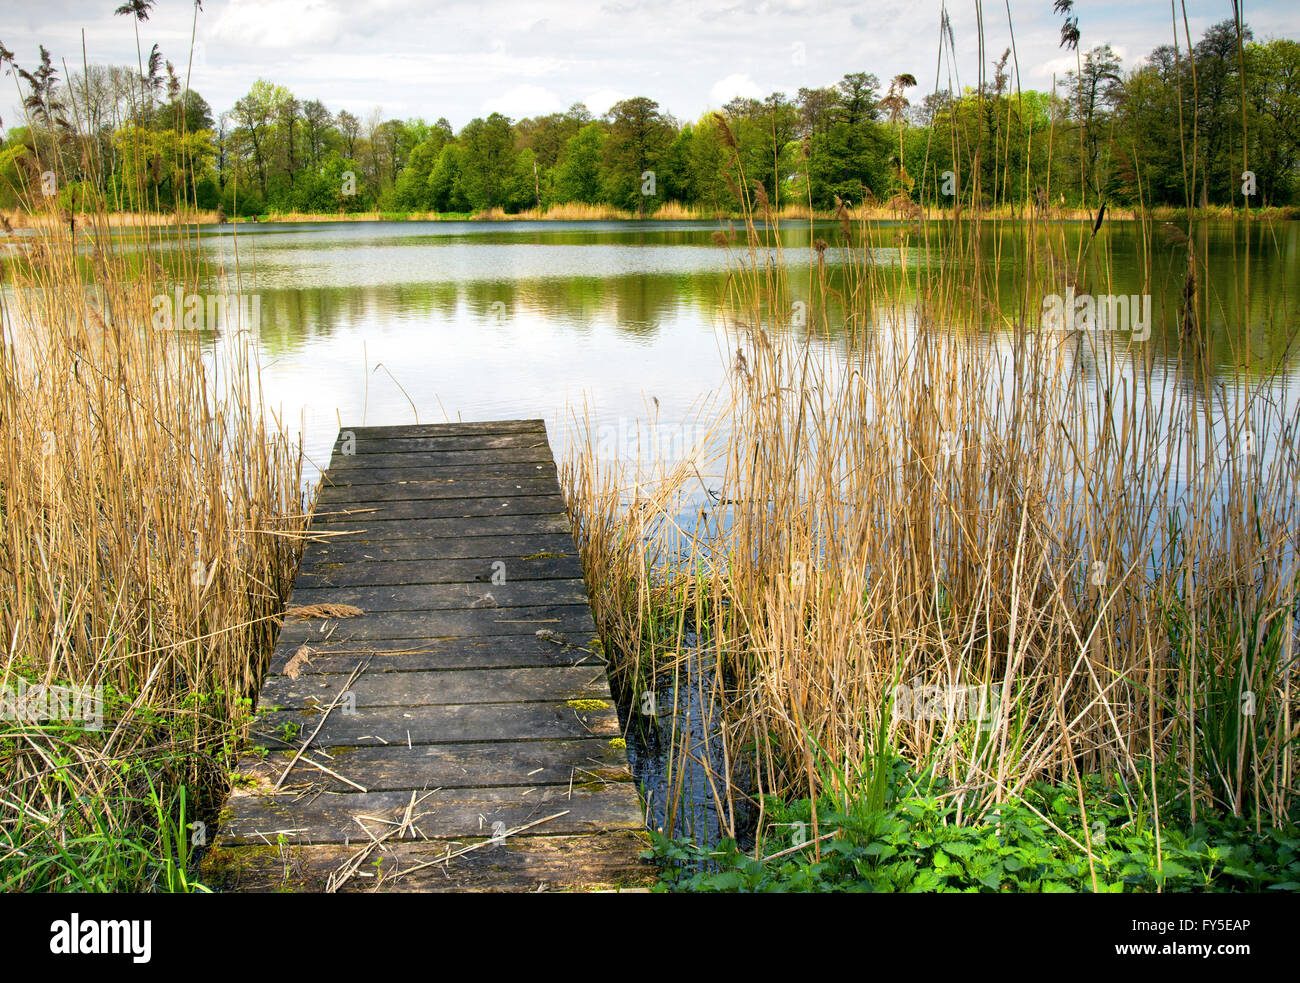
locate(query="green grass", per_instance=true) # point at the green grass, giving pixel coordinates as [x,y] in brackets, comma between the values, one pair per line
[99,820]
[88,850]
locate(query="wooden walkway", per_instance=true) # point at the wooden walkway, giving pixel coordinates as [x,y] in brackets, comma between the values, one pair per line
[459,733]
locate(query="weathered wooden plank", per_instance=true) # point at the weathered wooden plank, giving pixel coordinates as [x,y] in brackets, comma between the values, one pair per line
[426,471]
[485,765]
[447,686]
[346,548]
[345,533]
[329,515]
[414,655]
[465,724]
[325,555]
[453,429]
[539,564]
[565,619]
[436,488]
[437,597]
[445,813]
[360,445]
[502,455]
[595,861]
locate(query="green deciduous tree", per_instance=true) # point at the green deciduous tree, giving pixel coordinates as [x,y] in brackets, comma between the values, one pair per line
[639,134]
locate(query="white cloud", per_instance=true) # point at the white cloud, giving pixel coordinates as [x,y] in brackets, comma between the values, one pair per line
[524,100]
[278,23]
[1056,66]
[600,100]
[453,57]
[738,84]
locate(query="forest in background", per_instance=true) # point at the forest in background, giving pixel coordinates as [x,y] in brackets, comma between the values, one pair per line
[1178,129]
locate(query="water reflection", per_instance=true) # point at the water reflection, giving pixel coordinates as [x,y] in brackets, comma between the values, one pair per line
[384,322]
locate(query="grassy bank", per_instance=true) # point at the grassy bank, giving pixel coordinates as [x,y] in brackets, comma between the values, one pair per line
[56,220]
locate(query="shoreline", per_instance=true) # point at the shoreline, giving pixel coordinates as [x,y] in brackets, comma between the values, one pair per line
[18,219]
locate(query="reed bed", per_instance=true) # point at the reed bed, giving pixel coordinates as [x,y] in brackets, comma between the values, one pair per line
[151,520]
[48,219]
[368,216]
[578,212]
[913,495]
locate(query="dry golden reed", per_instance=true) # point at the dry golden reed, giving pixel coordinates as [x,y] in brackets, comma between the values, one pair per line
[912,489]
[150,521]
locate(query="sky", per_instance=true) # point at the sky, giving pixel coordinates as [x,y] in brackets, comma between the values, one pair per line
[528,57]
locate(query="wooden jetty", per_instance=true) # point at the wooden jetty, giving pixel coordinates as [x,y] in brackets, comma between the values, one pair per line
[458,733]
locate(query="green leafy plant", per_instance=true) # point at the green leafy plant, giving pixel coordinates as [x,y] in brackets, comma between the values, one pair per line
[1033,844]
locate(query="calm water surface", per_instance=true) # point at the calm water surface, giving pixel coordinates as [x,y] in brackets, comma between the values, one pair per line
[394,322]
[388,323]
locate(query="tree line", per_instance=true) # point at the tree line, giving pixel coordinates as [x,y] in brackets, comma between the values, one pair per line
[1215,125]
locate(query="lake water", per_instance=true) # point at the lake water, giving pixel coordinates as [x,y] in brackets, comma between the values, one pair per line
[391,323]
[398,322]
